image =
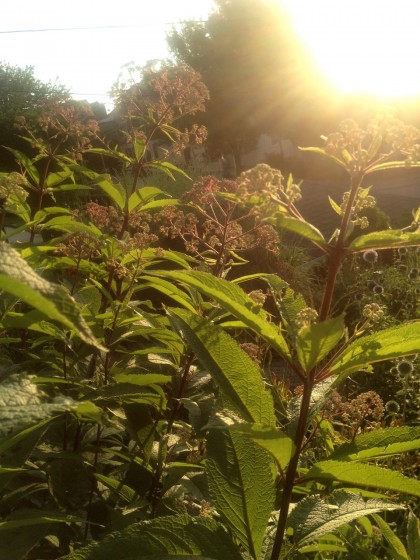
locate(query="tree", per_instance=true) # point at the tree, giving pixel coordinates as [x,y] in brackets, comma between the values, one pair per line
[257,74]
[21,93]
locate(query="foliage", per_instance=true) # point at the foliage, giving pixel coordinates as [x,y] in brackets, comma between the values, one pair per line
[142,415]
[21,93]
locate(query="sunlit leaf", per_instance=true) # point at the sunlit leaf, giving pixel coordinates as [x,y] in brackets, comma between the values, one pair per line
[363,475]
[379,443]
[313,517]
[277,443]
[302,228]
[54,301]
[315,342]
[244,500]
[399,340]
[236,301]
[231,368]
[398,549]
[385,240]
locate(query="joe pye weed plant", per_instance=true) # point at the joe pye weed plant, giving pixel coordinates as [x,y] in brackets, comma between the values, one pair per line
[135,424]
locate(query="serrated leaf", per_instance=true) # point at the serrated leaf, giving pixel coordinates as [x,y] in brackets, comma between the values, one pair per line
[396,341]
[288,302]
[277,443]
[236,301]
[413,536]
[395,544]
[379,443]
[315,342]
[313,517]
[241,485]
[54,301]
[385,240]
[231,368]
[363,475]
[179,535]
[22,404]
[302,228]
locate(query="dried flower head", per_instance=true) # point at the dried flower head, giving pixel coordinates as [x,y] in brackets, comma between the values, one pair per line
[392,407]
[405,367]
[370,256]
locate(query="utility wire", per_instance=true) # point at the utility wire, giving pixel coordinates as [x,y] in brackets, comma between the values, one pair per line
[48,29]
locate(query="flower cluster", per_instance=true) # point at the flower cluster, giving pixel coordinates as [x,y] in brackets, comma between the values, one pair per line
[66,125]
[12,190]
[357,148]
[306,317]
[364,411]
[363,201]
[217,224]
[373,312]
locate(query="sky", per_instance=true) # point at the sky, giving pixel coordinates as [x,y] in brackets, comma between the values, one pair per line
[88,61]
[361,46]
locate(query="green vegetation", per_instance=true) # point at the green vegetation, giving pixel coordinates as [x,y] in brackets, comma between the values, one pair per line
[161,399]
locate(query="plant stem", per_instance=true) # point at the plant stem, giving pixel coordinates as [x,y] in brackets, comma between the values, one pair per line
[292,468]
[336,258]
[339,250]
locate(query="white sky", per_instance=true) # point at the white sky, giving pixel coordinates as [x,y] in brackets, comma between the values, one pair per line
[88,61]
[369,46]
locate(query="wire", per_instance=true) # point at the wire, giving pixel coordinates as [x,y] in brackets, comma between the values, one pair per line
[48,29]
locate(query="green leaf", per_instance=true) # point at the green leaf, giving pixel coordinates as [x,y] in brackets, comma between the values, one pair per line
[313,517]
[277,443]
[126,493]
[54,301]
[323,152]
[54,179]
[390,165]
[413,536]
[236,301]
[397,548]
[363,475]
[167,168]
[335,206]
[385,240]
[167,288]
[302,228]
[87,410]
[103,180]
[39,518]
[232,369]
[242,486]
[179,535]
[379,443]
[143,195]
[26,163]
[400,340]
[22,404]
[143,378]
[315,342]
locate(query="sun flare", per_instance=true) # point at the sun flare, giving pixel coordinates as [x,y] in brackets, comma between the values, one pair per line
[362,46]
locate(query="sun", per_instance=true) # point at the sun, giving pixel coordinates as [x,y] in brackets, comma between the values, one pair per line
[362,46]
